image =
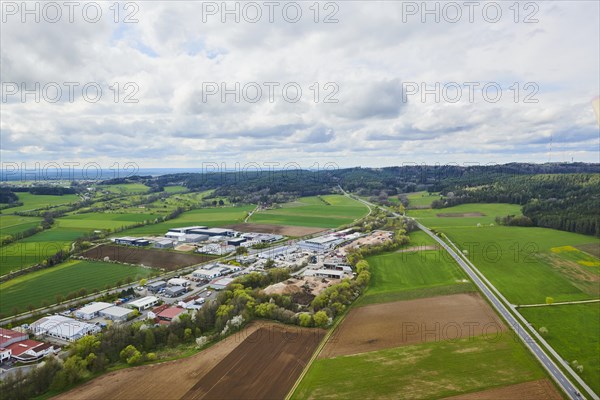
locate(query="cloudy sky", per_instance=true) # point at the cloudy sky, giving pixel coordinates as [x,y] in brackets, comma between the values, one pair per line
[349,82]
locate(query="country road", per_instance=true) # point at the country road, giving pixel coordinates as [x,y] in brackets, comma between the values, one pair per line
[559,377]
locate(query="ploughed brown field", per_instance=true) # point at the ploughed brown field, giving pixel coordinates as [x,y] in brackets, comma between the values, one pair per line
[534,390]
[285,230]
[401,323]
[149,257]
[459,215]
[262,361]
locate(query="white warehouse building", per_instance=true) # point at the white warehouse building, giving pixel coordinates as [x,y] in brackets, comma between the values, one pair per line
[91,310]
[65,328]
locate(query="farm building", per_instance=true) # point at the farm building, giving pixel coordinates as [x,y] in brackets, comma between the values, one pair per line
[62,328]
[236,241]
[30,350]
[116,313]
[187,229]
[320,244]
[220,284]
[205,274]
[132,241]
[175,291]
[143,303]
[170,314]
[164,244]
[91,310]
[156,286]
[178,282]
[9,336]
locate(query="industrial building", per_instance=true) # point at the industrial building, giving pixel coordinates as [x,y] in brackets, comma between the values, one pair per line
[320,244]
[132,241]
[175,291]
[30,350]
[91,310]
[9,336]
[164,244]
[205,274]
[178,282]
[61,327]
[221,283]
[169,314]
[214,231]
[325,273]
[116,313]
[187,229]
[156,286]
[236,241]
[143,303]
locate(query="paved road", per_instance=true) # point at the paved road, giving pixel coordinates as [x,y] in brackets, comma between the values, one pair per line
[550,366]
[559,377]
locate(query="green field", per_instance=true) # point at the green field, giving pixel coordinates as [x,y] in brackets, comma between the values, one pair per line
[426,371]
[421,199]
[430,219]
[519,261]
[312,211]
[211,217]
[43,286]
[36,248]
[399,276]
[15,224]
[106,220]
[124,188]
[175,189]
[36,201]
[573,332]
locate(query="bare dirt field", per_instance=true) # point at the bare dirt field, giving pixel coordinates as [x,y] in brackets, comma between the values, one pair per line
[261,361]
[461,215]
[534,390]
[285,230]
[590,248]
[264,366]
[149,257]
[185,247]
[402,323]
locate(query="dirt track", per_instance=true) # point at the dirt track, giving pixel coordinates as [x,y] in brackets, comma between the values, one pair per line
[262,361]
[534,390]
[285,230]
[401,323]
[149,257]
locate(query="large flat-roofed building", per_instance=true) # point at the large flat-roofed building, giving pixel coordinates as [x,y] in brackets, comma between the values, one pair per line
[187,229]
[163,243]
[325,273]
[61,327]
[203,273]
[214,232]
[320,244]
[178,282]
[179,236]
[116,313]
[143,303]
[175,291]
[220,284]
[277,251]
[194,238]
[132,241]
[91,310]
[236,241]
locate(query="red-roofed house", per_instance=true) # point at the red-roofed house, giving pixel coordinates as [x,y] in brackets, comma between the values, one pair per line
[30,350]
[169,314]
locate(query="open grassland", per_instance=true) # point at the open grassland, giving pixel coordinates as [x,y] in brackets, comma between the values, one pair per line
[36,201]
[425,371]
[402,275]
[324,212]
[42,287]
[35,249]
[430,217]
[11,225]
[573,332]
[421,199]
[175,189]
[125,188]
[211,217]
